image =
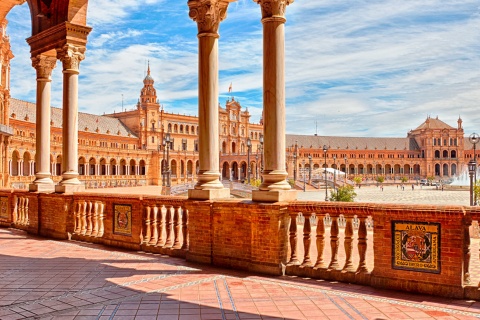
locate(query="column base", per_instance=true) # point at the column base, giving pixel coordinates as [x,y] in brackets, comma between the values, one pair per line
[209,194]
[69,188]
[274,195]
[41,187]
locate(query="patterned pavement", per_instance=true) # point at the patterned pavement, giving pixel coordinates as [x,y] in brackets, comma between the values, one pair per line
[47,279]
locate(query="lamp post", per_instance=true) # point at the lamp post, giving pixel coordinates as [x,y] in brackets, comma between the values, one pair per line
[303,165]
[249,145]
[472,167]
[167,165]
[164,143]
[295,163]
[474,139]
[310,161]
[334,173]
[325,149]
[346,168]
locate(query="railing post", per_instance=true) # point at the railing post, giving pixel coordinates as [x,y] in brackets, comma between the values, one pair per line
[185,234]
[293,239]
[348,245]
[161,227]
[320,242]
[168,222]
[362,246]
[334,244]
[89,219]
[99,206]
[307,230]
[148,233]
[176,228]
[154,225]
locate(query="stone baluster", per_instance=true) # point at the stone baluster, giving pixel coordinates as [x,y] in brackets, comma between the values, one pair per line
[21,216]
[94,220]
[362,246]
[100,206]
[89,218]
[76,217]
[168,225]
[176,227]
[307,240]
[334,243]
[348,244]
[320,242]
[15,217]
[83,219]
[148,233]
[161,226]
[26,220]
[185,233]
[154,224]
[293,239]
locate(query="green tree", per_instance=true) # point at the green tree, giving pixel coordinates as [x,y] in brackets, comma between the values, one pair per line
[380,179]
[476,190]
[404,179]
[430,179]
[357,180]
[345,193]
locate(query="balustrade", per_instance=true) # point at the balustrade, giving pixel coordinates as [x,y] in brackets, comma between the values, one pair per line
[165,226]
[20,211]
[88,218]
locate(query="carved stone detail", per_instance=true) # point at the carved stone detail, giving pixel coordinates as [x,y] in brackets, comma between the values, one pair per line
[71,56]
[273,8]
[208,14]
[44,66]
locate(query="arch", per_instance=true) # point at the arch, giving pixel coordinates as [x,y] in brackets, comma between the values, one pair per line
[81,166]
[224,147]
[233,147]
[103,166]
[123,167]
[445,154]
[92,164]
[225,170]
[181,128]
[437,154]
[169,127]
[234,171]
[453,154]
[143,167]
[453,171]
[445,170]
[173,168]
[197,166]
[132,167]
[243,170]
[58,165]
[14,163]
[189,167]
[437,169]
[27,169]
[187,129]
[182,168]
[242,148]
[175,128]
[113,167]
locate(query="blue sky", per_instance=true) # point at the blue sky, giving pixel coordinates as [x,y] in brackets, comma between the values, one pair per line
[353,68]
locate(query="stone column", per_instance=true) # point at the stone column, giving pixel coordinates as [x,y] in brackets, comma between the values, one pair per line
[274,187]
[70,56]
[44,66]
[208,14]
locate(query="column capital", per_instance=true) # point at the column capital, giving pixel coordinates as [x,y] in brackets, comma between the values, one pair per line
[44,66]
[208,14]
[71,56]
[273,8]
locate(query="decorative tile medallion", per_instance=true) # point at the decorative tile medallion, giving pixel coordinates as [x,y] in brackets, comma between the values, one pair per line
[122,219]
[4,208]
[416,246]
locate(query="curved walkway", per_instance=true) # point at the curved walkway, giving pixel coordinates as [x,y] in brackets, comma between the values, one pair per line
[47,279]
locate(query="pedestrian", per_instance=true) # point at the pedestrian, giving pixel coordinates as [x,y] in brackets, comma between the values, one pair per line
[413,186]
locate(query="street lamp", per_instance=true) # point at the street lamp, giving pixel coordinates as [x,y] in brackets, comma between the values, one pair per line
[249,146]
[474,139]
[295,163]
[325,149]
[303,165]
[310,168]
[164,143]
[472,167]
[334,173]
[167,165]
[261,156]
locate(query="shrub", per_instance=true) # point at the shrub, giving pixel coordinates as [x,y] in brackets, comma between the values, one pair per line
[345,193]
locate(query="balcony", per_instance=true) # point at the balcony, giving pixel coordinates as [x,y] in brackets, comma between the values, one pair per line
[6,130]
[417,248]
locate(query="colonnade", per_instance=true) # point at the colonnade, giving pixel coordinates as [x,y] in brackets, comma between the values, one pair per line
[208,14]
[70,55]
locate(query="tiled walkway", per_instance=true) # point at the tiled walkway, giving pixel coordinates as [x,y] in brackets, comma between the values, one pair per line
[46,279]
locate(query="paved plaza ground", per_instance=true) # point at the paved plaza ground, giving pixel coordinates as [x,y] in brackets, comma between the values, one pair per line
[47,279]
